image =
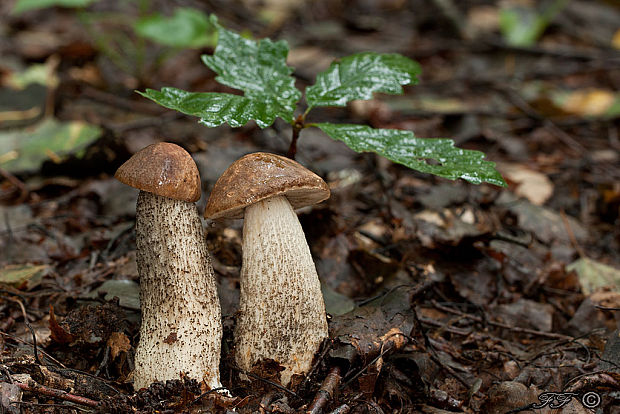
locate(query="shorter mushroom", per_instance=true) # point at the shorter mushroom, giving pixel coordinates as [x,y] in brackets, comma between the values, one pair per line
[181,326]
[282,313]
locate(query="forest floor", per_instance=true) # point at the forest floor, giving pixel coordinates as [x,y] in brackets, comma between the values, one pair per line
[444,296]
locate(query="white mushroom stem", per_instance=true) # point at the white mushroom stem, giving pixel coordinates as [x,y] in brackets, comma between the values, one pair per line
[282,313]
[181,327]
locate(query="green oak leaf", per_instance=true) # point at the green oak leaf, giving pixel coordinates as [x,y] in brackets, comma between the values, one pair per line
[436,156]
[358,76]
[257,68]
[187,27]
[216,108]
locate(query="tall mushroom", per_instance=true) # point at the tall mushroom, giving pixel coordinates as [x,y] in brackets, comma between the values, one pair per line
[282,313]
[181,326]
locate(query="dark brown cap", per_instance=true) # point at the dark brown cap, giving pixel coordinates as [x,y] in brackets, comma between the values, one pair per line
[164,169]
[261,175]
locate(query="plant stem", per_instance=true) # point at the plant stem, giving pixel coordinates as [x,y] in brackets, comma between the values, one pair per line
[298,125]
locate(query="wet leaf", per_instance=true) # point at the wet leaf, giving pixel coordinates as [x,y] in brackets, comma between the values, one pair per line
[26,276]
[214,108]
[186,28]
[359,75]
[26,149]
[256,68]
[436,156]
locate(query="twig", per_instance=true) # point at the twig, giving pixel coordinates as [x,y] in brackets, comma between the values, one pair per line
[328,348]
[571,235]
[607,308]
[343,409]
[17,183]
[417,290]
[569,53]
[34,336]
[51,358]
[598,379]
[266,381]
[326,392]
[550,335]
[266,400]
[383,352]
[66,407]
[152,121]
[204,394]
[528,110]
[35,388]
[119,102]
[445,327]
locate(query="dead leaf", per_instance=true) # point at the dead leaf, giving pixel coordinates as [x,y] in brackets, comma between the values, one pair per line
[544,223]
[9,395]
[26,276]
[591,102]
[615,41]
[526,313]
[58,333]
[385,323]
[530,184]
[593,274]
[118,342]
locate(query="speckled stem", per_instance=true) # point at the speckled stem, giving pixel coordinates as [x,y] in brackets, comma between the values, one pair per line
[282,313]
[181,327]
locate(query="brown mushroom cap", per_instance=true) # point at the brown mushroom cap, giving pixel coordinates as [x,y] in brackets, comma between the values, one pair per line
[163,169]
[255,177]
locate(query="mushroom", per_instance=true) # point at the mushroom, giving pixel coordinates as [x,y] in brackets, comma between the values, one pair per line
[181,327]
[282,313]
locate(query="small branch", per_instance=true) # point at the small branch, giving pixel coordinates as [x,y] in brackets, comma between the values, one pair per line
[326,392]
[23,191]
[34,336]
[343,409]
[266,381]
[478,319]
[35,388]
[571,235]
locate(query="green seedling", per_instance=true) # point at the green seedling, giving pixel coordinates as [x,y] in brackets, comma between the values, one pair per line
[258,68]
[522,26]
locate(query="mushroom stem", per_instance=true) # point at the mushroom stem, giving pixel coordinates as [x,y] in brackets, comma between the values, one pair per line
[282,313]
[181,318]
